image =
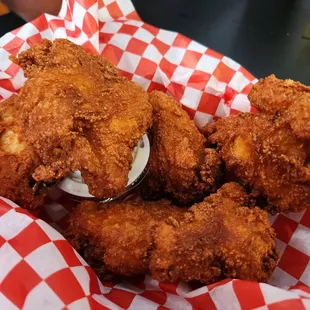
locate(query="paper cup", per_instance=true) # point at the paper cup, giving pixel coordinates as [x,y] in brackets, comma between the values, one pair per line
[74,185]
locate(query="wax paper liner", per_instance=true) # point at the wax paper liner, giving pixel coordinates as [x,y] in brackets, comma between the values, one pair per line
[39,269]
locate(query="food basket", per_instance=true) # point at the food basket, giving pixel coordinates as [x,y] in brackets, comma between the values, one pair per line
[39,269]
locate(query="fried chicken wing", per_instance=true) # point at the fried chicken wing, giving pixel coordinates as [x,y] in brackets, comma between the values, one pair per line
[217,238]
[17,160]
[269,152]
[181,168]
[78,113]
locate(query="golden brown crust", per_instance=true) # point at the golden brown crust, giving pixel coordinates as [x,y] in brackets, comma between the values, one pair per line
[271,95]
[269,152]
[80,114]
[17,160]
[217,238]
[180,166]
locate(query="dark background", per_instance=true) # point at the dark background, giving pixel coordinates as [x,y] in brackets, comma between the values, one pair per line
[265,36]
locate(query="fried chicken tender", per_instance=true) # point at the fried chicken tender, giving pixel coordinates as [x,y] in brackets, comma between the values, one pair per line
[17,160]
[181,168]
[269,152]
[271,95]
[215,239]
[78,113]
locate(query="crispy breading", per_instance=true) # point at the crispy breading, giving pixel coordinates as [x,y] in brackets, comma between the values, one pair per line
[181,168]
[269,152]
[17,160]
[271,95]
[80,114]
[215,239]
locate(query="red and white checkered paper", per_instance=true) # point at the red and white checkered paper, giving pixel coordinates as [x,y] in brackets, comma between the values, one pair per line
[39,269]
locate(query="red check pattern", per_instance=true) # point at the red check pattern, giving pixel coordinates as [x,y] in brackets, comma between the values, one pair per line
[40,270]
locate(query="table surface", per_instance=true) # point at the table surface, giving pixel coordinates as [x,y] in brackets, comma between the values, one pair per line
[265,36]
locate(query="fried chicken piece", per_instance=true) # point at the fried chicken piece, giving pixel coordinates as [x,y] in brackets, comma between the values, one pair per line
[267,152]
[181,168]
[79,114]
[271,95]
[17,160]
[215,239]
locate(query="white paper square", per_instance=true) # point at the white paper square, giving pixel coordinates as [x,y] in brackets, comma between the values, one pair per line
[197,47]
[144,35]
[105,302]
[104,15]
[230,297]
[19,80]
[153,54]
[141,303]
[181,75]
[6,303]
[50,231]
[106,2]
[175,55]
[241,103]
[231,63]
[47,34]
[207,64]
[134,23]
[273,294]
[222,110]
[69,25]
[201,119]
[166,36]
[159,76]
[9,258]
[120,40]
[238,82]
[4,76]
[103,289]
[306,303]
[42,297]
[93,10]
[191,97]
[282,279]
[129,62]
[305,278]
[215,87]
[126,7]
[144,83]
[177,302]
[61,33]
[78,11]
[295,216]
[46,260]
[262,308]
[27,31]
[83,278]
[125,286]
[81,304]
[5,93]
[281,246]
[111,27]
[5,62]
[297,241]
[12,223]
[8,37]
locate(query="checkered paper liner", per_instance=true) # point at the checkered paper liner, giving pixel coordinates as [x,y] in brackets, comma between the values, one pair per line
[39,269]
